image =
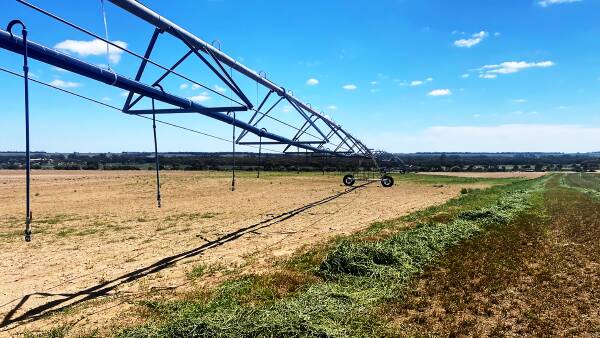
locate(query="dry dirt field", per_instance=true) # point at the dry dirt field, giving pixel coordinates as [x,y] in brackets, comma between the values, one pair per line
[98,237]
[529,175]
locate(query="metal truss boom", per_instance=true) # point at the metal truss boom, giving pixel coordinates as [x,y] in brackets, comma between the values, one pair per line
[55,58]
[165,25]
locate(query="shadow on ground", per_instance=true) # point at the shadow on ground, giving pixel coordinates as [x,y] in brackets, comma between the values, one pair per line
[102,289]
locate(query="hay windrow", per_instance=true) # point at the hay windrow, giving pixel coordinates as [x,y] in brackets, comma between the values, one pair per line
[356,276]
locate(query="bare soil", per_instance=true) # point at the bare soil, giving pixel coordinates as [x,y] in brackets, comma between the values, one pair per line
[100,243]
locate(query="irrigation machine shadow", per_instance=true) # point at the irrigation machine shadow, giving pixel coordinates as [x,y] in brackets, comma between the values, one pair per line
[102,289]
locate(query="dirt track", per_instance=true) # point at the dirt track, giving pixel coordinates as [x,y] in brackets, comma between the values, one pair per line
[100,233]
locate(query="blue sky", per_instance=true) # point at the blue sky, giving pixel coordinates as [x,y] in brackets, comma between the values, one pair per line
[403,75]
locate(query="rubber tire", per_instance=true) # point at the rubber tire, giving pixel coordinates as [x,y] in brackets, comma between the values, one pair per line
[349,180]
[387,181]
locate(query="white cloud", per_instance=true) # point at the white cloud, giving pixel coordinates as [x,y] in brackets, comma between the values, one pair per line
[124,94]
[510,67]
[107,99]
[195,86]
[495,138]
[546,3]
[183,86]
[465,75]
[94,47]
[202,97]
[219,89]
[374,83]
[332,107]
[440,92]
[65,84]
[518,101]
[350,87]
[420,82]
[475,39]
[312,82]
[286,109]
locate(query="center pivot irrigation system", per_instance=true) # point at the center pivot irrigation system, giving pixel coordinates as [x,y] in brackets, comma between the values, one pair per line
[313,131]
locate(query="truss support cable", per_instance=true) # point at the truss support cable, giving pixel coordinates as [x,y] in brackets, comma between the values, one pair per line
[259,153]
[156,162]
[233,157]
[298,160]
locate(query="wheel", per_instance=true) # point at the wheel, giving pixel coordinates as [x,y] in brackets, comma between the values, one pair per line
[387,181]
[349,180]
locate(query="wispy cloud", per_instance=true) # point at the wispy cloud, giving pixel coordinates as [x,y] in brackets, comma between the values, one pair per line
[518,100]
[350,87]
[202,97]
[546,3]
[183,86]
[465,75]
[332,107]
[195,86]
[420,82]
[94,47]
[510,67]
[65,84]
[475,39]
[312,82]
[219,89]
[440,92]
